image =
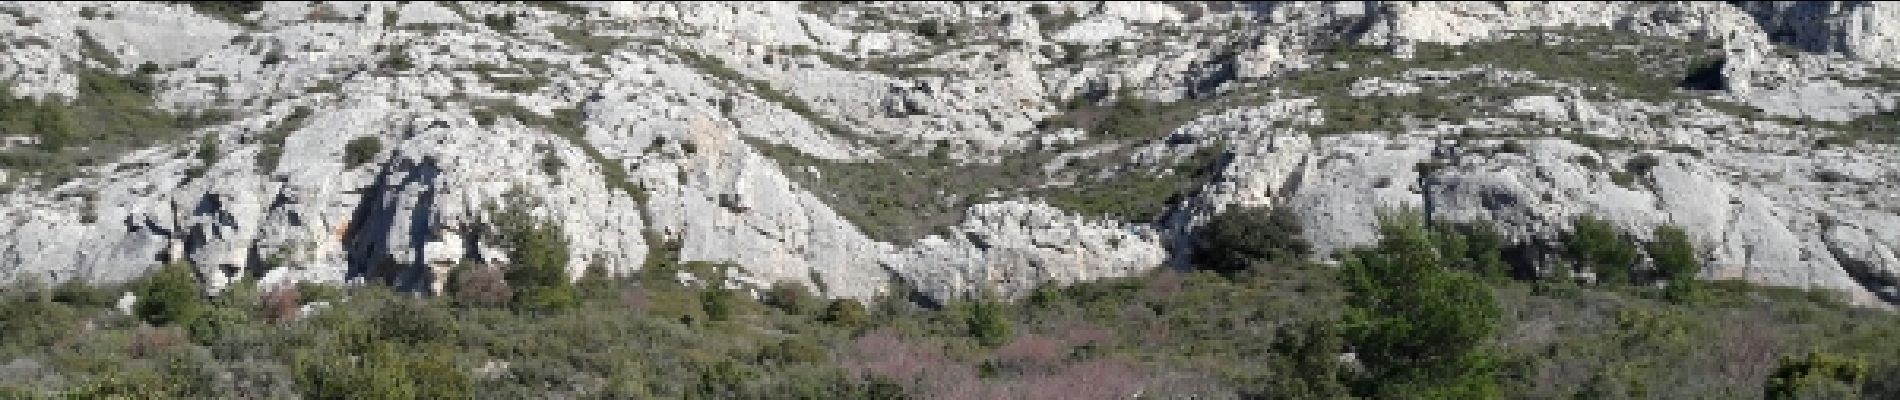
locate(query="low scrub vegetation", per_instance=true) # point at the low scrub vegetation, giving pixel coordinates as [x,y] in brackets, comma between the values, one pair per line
[903,197]
[1412,316]
[111,114]
[1604,64]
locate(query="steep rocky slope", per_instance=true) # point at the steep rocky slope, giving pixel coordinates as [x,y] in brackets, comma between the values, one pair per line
[956,148]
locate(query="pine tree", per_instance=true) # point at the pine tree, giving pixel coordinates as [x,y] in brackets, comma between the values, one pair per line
[1597,246]
[539,253]
[1418,326]
[1674,255]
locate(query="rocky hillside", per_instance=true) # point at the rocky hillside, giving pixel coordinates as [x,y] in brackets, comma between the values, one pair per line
[952,148]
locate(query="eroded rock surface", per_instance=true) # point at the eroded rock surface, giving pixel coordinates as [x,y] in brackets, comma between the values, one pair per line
[733,129]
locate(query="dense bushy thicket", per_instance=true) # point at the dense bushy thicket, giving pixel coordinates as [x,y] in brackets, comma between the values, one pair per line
[1238,239]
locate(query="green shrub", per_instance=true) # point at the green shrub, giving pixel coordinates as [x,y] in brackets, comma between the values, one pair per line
[1675,257]
[383,372]
[361,150]
[500,22]
[79,293]
[797,350]
[171,296]
[1883,382]
[131,385]
[989,322]
[721,379]
[1816,376]
[1307,356]
[412,322]
[721,304]
[214,324]
[917,191]
[846,313]
[229,11]
[792,297]
[596,282]
[33,324]
[1417,326]
[208,151]
[397,61]
[551,165]
[1599,247]
[539,253]
[1242,237]
[1476,247]
[313,292]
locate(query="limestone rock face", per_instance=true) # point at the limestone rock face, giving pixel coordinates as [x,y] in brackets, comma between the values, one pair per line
[1009,248]
[742,133]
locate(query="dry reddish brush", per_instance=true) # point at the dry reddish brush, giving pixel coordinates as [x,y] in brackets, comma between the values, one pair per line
[1083,333]
[150,341]
[1093,379]
[282,304]
[483,286]
[1031,367]
[1748,349]
[635,298]
[1030,353]
[917,367]
[1166,283]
